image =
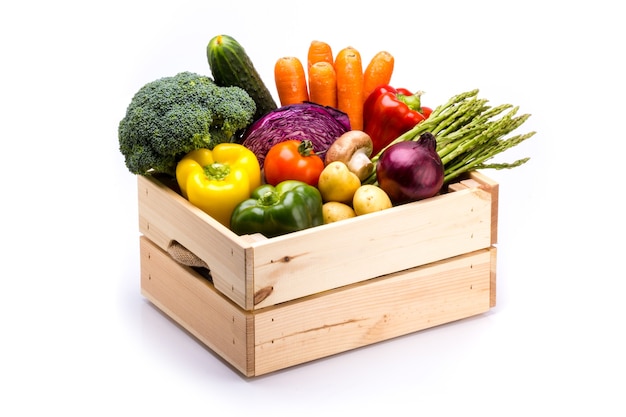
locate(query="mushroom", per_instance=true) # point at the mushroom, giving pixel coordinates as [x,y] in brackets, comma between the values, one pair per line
[354,149]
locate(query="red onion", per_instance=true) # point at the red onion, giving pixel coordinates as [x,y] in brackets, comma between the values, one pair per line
[411,170]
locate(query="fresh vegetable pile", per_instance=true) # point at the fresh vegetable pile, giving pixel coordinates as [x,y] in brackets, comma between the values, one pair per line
[341,141]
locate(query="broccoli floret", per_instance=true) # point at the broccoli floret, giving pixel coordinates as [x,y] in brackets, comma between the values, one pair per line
[171,116]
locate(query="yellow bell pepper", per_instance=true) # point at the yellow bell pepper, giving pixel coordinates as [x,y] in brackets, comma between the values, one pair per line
[218,180]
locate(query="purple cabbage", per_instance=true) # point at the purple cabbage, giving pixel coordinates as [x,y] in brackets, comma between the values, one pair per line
[322,125]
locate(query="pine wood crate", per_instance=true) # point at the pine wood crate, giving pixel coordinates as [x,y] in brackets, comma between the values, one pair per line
[255,272]
[274,303]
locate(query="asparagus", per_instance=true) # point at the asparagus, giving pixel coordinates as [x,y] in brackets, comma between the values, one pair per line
[469,133]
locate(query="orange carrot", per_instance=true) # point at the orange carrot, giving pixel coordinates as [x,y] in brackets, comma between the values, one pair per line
[323,84]
[290,81]
[319,52]
[378,72]
[349,70]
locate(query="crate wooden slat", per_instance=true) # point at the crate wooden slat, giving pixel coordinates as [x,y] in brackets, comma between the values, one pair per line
[276,303]
[256,273]
[322,324]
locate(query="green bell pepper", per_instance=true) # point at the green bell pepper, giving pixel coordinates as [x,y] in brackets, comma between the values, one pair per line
[272,211]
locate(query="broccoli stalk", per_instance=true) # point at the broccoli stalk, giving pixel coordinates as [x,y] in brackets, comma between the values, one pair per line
[171,116]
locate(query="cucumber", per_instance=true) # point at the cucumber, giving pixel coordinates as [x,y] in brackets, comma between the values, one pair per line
[231,66]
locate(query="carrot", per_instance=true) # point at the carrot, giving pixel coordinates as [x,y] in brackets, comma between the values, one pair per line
[349,70]
[323,84]
[290,81]
[378,72]
[319,52]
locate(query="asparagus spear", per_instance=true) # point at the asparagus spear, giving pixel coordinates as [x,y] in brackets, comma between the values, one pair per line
[469,132]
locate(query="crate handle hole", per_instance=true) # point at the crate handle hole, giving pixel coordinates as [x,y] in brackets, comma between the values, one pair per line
[184,256]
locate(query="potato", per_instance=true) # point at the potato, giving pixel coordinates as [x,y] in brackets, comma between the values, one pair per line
[338,183]
[334,211]
[370,198]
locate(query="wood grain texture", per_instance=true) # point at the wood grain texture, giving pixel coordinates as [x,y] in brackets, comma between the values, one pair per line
[320,325]
[372,311]
[193,302]
[256,273]
[166,217]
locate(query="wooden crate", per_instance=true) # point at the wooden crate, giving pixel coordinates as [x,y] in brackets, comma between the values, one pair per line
[255,272]
[279,302]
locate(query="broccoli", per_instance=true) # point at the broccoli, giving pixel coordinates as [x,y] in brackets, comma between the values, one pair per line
[171,116]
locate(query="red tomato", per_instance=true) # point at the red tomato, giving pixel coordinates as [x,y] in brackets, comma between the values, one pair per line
[292,160]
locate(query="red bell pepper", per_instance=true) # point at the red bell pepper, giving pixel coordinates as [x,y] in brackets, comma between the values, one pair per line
[389,112]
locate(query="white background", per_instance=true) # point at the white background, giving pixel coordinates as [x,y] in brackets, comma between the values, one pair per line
[78,338]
